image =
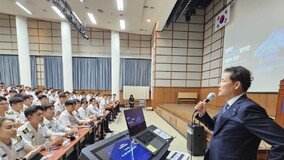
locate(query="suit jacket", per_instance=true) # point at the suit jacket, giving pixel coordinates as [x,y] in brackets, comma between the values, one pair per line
[238,131]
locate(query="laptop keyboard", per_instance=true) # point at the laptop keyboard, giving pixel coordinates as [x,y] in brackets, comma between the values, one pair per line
[146,137]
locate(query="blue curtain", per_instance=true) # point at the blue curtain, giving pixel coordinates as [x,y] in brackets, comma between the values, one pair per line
[53,72]
[33,71]
[9,69]
[91,73]
[135,72]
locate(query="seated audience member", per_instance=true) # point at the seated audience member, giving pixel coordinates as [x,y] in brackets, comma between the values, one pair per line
[66,117]
[93,109]
[19,87]
[15,112]
[75,95]
[34,131]
[52,96]
[21,91]
[12,146]
[82,95]
[59,105]
[68,95]
[28,100]
[44,92]
[103,104]
[52,123]
[78,118]
[3,106]
[89,96]
[83,110]
[110,105]
[36,100]
[43,99]
[116,101]
[28,90]
[11,94]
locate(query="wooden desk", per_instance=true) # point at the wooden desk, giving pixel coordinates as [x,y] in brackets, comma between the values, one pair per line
[63,152]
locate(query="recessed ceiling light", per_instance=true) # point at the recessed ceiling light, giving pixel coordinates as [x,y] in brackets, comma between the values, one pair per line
[24,8]
[92,18]
[119,5]
[82,1]
[122,24]
[148,20]
[58,11]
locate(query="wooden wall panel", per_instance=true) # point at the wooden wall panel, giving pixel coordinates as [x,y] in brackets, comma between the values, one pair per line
[280,104]
[169,94]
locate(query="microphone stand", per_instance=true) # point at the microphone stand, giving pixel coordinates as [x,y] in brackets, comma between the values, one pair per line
[191,143]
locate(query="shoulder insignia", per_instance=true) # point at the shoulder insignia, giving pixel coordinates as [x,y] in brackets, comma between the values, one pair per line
[26,130]
[18,137]
[10,112]
[4,155]
[42,124]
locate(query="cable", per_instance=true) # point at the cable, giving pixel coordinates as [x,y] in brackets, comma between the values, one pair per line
[131,148]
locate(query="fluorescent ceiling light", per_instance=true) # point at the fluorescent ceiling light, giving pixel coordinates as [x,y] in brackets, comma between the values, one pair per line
[58,11]
[122,24]
[24,8]
[119,5]
[77,17]
[82,1]
[92,18]
[148,20]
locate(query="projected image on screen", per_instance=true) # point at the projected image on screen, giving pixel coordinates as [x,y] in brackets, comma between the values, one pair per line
[257,42]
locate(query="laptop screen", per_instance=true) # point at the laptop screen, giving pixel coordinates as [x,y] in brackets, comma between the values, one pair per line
[135,121]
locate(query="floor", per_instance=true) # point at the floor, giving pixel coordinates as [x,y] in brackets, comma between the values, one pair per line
[179,142]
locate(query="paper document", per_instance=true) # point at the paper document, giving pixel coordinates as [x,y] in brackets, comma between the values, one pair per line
[32,153]
[162,134]
[176,155]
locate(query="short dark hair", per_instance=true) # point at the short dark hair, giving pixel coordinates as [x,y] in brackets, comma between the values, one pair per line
[240,73]
[37,93]
[15,100]
[13,91]
[62,95]
[26,96]
[18,95]
[46,106]
[32,109]
[92,99]
[84,100]
[76,100]
[41,97]
[70,102]
[3,99]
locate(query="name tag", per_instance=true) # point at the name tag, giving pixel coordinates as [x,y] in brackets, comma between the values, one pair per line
[20,149]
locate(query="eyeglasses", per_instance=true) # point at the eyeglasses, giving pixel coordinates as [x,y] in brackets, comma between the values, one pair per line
[4,104]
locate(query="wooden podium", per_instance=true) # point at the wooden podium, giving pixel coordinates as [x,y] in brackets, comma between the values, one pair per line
[279,117]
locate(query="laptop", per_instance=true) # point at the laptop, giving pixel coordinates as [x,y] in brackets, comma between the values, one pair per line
[138,131]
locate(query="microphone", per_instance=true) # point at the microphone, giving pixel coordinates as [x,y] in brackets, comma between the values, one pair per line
[209,97]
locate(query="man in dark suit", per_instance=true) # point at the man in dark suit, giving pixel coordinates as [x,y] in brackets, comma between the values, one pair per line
[241,123]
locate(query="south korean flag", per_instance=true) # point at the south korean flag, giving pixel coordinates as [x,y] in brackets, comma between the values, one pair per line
[222,18]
